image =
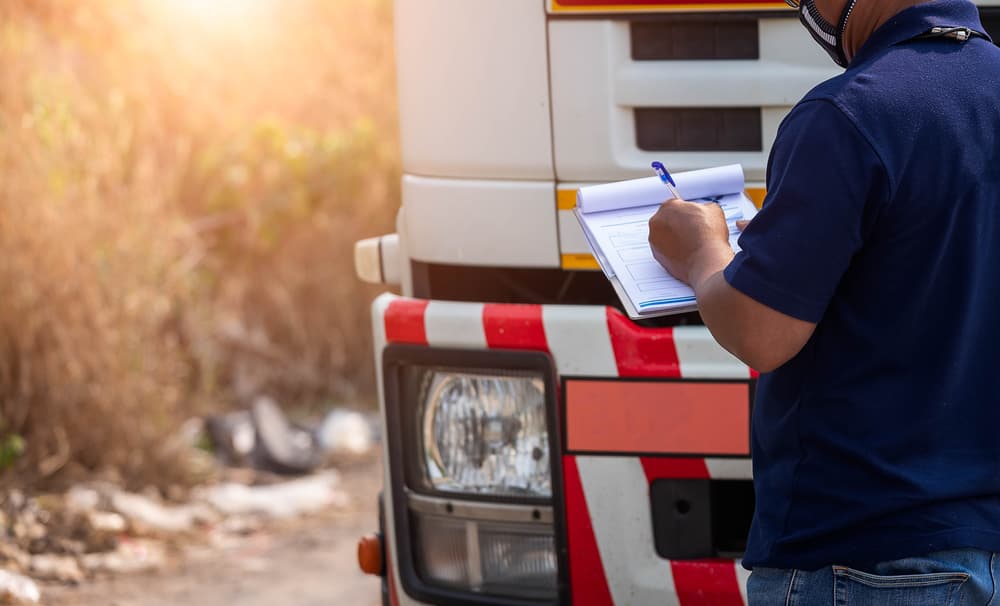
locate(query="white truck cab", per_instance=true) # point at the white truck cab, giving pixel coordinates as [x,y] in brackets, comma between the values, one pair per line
[540,447]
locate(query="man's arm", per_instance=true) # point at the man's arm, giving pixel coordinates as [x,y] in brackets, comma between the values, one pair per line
[692,242]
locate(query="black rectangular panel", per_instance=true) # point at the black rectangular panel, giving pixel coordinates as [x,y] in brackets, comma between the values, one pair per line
[695,38]
[692,129]
[682,519]
[696,519]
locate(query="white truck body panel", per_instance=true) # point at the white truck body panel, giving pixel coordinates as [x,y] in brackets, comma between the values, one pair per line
[474,89]
[481,222]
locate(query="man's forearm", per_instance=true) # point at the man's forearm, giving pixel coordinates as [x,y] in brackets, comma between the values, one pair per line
[713,292]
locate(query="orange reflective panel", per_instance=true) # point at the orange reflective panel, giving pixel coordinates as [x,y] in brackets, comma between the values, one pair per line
[658,417]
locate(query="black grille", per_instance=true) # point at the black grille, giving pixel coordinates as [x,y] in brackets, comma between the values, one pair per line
[693,129]
[695,38]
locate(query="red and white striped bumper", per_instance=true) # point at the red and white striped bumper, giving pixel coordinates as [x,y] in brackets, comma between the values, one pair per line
[612,559]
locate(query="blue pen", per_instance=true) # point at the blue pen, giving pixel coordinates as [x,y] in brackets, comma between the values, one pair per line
[667,179]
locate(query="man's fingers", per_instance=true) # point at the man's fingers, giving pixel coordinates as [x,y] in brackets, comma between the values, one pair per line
[742,224]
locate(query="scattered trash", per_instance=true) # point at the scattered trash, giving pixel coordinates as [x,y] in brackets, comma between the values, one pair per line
[287,499]
[240,525]
[62,568]
[131,555]
[145,516]
[106,522]
[345,432]
[18,589]
[98,528]
[82,499]
[265,439]
[233,436]
[281,446]
[13,558]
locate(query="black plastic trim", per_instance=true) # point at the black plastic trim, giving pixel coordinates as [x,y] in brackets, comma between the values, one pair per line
[397,357]
[384,581]
[751,384]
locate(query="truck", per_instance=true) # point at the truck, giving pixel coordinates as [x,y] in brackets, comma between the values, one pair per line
[539,446]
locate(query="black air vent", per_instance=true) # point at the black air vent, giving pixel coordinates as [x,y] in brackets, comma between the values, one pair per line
[693,129]
[695,38]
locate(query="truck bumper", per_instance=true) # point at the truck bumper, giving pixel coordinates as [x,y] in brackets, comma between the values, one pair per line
[612,555]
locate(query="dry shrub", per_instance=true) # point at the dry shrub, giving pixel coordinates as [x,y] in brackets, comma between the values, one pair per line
[179,197]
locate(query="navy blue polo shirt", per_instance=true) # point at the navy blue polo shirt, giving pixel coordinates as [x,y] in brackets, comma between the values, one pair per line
[881,438]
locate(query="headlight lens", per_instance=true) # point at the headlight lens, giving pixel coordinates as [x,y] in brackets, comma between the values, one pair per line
[485,433]
[515,560]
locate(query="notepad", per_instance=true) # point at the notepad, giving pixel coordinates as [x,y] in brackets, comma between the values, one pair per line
[615,220]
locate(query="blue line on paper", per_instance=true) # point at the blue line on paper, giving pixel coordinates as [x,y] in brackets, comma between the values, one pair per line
[666,301]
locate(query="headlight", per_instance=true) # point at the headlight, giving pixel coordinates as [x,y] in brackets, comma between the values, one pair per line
[485,433]
[471,465]
[493,558]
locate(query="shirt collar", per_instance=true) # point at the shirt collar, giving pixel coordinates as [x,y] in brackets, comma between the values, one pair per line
[918,20]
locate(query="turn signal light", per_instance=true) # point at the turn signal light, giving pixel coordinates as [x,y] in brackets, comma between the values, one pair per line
[370,555]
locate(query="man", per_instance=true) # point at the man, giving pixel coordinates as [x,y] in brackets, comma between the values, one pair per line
[868,295]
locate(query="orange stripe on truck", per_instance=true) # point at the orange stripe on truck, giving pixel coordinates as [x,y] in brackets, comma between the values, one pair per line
[580,261]
[566,199]
[658,417]
[757,195]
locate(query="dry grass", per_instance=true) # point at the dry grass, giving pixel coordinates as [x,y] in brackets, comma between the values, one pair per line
[179,197]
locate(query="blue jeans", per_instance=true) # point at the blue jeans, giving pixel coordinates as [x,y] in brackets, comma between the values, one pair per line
[961,577]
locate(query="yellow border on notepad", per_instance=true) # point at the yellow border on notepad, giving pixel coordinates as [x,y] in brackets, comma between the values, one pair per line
[558,7]
[566,200]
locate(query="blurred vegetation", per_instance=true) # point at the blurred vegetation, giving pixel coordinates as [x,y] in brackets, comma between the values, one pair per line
[182,184]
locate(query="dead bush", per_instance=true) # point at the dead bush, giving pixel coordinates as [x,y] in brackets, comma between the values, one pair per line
[179,198]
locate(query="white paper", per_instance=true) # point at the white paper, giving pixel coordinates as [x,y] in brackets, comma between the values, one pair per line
[691,185]
[619,234]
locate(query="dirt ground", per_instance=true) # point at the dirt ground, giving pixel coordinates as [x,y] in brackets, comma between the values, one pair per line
[308,562]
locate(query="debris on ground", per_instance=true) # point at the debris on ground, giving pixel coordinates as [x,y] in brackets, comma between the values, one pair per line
[61,568]
[13,558]
[99,529]
[345,432]
[233,436]
[282,446]
[18,589]
[265,439]
[287,499]
[131,555]
[148,517]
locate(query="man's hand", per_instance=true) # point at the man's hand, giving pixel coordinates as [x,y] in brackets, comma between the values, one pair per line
[692,242]
[689,238]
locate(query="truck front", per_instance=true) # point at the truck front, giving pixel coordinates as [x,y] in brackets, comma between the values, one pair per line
[540,447]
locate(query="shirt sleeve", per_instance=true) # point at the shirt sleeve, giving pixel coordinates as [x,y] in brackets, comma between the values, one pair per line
[825,182]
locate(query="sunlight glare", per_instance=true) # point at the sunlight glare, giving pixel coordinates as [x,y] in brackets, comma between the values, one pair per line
[215,14]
